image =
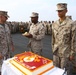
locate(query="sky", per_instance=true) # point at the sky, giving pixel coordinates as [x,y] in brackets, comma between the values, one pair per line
[20,10]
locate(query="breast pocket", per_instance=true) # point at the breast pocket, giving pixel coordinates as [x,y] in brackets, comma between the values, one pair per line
[67,36]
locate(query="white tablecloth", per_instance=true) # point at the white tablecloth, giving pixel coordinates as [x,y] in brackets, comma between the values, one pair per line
[8,69]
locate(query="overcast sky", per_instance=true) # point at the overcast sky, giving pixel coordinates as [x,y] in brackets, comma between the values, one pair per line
[20,10]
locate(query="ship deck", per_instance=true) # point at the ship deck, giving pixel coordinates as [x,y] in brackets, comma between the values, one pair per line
[20,45]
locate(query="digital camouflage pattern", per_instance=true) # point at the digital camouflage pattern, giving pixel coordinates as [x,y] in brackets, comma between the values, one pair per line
[62,37]
[38,32]
[74,43]
[5,42]
[63,45]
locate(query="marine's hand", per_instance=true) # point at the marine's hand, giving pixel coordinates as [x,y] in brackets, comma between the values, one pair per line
[71,57]
[1,56]
[29,36]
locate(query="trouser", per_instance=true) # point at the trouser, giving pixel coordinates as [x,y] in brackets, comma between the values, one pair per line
[63,62]
[36,51]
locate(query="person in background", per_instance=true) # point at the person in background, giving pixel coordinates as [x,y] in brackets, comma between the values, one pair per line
[36,34]
[62,39]
[6,43]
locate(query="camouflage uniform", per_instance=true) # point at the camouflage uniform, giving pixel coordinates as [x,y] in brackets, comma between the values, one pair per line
[38,32]
[74,46]
[5,42]
[62,42]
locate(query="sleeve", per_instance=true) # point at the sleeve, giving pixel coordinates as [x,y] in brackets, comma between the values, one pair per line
[10,39]
[3,51]
[73,39]
[12,45]
[53,39]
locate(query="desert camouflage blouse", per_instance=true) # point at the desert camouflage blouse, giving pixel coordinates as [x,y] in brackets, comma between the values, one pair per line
[5,40]
[63,37]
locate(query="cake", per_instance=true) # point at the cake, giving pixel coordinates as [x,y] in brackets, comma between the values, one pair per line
[25,34]
[31,64]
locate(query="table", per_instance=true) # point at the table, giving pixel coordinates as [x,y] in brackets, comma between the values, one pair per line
[9,69]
